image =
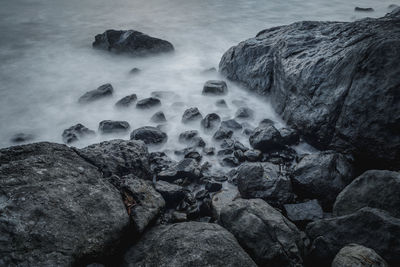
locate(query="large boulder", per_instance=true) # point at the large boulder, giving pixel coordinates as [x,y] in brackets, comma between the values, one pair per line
[187,244]
[119,157]
[375,189]
[356,255]
[266,138]
[131,42]
[109,126]
[336,82]
[368,227]
[269,238]
[56,209]
[322,176]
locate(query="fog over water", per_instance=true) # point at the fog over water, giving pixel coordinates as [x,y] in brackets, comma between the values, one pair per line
[47,61]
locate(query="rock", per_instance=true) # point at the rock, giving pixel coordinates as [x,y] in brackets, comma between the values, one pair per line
[108,127]
[209,70]
[322,176]
[268,237]
[187,244]
[364,9]
[186,168]
[186,137]
[289,136]
[239,155]
[172,193]
[193,155]
[215,87]
[221,103]
[210,122]
[239,103]
[304,212]
[230,161]
[265,123]
[266,181]
[191,115]
[222,133]
[252,155]
[149,135]
[126,101]
[164,94]
[233,144]
[375,189]
[160,161]
[356,255]
[368,227]
[213,186]
[209,151]
[179,216]
[103,91]
[74,133]
[132,42]
[158,117]
[150,102]
[231,124]
[222,198]
[119,157]
[225,152]
[134,71]
[392,6]
[22,137]
[266,139]
[56,209]
[323,79]
[244,113]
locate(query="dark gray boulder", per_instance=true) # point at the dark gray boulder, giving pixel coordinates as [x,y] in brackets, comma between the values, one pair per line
[322,176]
[304,212]
[149,135]
[76,132]
[109,127]
[215,87]
[119,157]
[375,189]
[368,227]
[222,133]
[252,155]
[268,237]
[150,102]
[191,115]
[187,244]
[335,82]
[244,113]
[126,101]
[221,103]
[103,91]
[266,138]
[173,194]
[356,255]
[56,209]
[131,42]
[186,168]
[158,117]
[265,181]
[210,121]
[289,136]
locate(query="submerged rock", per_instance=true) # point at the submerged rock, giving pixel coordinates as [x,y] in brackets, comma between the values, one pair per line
[266,139]
[191,115]
[147,103]
[22,137]
[211,121]
[231,124]
[149,135]
[364,9]
[74,133]
[356,255]
[108,126]
[244,113]
[131,42]
[222,133]
[158,117]
[215,87]
[103,91]
[126,101]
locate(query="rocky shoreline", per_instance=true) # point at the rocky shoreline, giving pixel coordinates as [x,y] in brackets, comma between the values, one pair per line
[116,203]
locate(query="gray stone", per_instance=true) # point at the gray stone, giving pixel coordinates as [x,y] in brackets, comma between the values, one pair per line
[103,91]
[76,132]
[266,139]
[126,101]
[304,212]
[158,117]
[109,127]
[214,87]
[354,255]
[149,135]
[191,115]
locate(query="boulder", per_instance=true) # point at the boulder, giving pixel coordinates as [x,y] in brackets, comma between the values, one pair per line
[109,127]
[304,212]
[222,198]
[335,82]
[244,113]
[252,155]
[126,101]
[268,237]
[158,117]
[103,91]
[356,255]
[56,209]
[149,135]
[131,42]
[222,133]
[368,227]
[266,138]
[119,157]
[265,181]
[187,244]
[375,189]
[76,132]
[210,121]
[322,176]
[214,87]
[172,193]
[191,115]
[150,102]
[186,168]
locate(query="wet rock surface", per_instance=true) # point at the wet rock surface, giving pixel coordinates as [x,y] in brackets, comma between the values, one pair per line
[356,255]
[76,132]
[103,91]
[215,87]
[191,115]
[126,101]
[149,135]
[147,103]
[108,126]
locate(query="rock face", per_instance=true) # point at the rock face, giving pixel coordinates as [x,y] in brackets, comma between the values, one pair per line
[269,238]
[375,189]
[322,176]
[187,244]
[210,121]
[149,135]
[103,91]
[108,126]
[131,42]
[56,209]
[74,133]
[119,157]
[336,82]
[356,255]
[369,227]
[22,137]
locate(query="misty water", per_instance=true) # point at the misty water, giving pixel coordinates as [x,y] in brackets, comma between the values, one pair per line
[47,61]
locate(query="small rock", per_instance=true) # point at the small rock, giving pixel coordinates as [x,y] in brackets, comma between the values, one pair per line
[211,121]
[172,193]
[147,103]
[244,113]
[126,101]
[213,186]
[163,94]
[304,212]
[215,87]
[158,117]
[266,123]
[74,133]
[209,151]
[191,114]
[231,124]
[179,216]
[209,70]
[363,9]
[230,161]
[221,103]
[101,92]
[108,126]
[289,136]
[186,168]
[253,155]
[356,255]
[193,155]
[149,135]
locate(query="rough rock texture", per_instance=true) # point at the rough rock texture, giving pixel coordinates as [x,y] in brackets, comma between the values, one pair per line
[354,255]
[75,132]
[336,82]
[126,101]
[269,238]
[375,189]
[215,87]
[55,208]
[108,126]
[120,157]
[369,227]
[210,121]
[322,176]
[187,244]
[132,42]
[147,103]
[149,135]
[104,90]
[304,212]
[158,117]
[266,138]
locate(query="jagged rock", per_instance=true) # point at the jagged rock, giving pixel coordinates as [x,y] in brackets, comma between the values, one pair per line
[158,117]
[253,155]
[222,198]
[134,71]
[150,102]
[212,186]
[210,121]
[56,209]
[323,79]
[230,161]
[164,94]
[304,212]
[126,101]
[191,115]
[149,135]
[214,87]
[375,189]
[266,138]
[131,42]
[363,9]
[209,151]
[74,133]
[160,161]
[108,127]
[269,238]
[103,91]
[193,155]
[187,244]
[266,123]
[172,193]
[356,255]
